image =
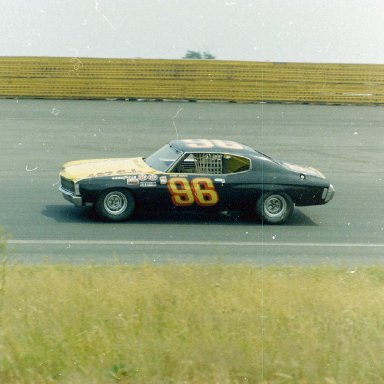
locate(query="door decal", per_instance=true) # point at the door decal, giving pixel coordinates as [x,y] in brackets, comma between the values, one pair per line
[200,190]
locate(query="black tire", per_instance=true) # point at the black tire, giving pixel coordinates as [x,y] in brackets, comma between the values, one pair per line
[115,205]
[274,208]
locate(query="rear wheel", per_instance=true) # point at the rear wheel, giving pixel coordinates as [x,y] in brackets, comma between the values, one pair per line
[274,208]
[115,205]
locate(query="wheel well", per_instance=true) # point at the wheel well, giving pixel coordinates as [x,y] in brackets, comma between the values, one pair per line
[276,192]
[93,196]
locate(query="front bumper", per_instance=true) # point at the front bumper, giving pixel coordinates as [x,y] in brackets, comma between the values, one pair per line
[71,197]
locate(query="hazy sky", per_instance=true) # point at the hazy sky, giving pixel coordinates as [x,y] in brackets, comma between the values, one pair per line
[349,31]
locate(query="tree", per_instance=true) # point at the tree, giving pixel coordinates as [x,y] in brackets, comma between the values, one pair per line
[197,55]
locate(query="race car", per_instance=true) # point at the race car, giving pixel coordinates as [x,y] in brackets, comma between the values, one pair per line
[195,175]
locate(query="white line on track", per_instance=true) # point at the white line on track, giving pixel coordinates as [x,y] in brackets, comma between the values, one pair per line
[194,243]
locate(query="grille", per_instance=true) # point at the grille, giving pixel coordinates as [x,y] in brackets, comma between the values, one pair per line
[68,185]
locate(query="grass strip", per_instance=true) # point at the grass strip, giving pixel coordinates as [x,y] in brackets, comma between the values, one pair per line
[191,324]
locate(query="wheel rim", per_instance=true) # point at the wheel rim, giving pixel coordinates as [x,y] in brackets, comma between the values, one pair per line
[115,203]
[275,205]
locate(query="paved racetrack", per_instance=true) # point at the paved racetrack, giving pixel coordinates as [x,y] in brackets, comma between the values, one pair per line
[345,142]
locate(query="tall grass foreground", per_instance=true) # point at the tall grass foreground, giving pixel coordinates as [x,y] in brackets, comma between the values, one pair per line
[191,324]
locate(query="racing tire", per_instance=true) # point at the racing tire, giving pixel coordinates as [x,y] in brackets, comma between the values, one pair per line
[274,208]
[115,205]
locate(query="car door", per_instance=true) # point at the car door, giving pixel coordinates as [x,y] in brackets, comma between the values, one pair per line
[207,180]
[236,189]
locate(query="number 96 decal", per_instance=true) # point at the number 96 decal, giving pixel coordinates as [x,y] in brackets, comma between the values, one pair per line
[200,191]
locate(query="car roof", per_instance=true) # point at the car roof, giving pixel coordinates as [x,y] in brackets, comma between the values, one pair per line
[212,146]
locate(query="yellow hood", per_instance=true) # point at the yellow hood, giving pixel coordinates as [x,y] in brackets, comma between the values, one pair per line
[84,169]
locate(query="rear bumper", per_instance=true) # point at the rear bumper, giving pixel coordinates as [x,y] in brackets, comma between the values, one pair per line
[328,193]
[71,197]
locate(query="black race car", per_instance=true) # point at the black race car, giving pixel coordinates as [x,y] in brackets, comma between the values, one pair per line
[195,174]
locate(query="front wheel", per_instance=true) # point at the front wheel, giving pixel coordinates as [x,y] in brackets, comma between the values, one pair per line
[274,208]
[115,205]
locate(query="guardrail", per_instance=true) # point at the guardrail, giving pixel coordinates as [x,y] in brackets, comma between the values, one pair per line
[238,81]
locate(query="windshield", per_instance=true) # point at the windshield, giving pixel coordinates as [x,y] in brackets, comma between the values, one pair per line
[162,159]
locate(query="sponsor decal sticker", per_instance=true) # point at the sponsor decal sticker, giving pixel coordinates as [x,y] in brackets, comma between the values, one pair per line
[142,177]
[163,180]
[152,177]
[148,184]
[132,180]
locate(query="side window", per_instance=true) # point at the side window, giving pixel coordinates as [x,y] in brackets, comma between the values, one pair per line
[234,164]
[205,163]
[211,164]
[186,165]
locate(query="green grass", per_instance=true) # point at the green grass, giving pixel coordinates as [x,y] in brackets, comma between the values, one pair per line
[191,324]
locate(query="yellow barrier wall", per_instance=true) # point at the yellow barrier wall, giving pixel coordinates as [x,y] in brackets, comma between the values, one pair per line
[85,78]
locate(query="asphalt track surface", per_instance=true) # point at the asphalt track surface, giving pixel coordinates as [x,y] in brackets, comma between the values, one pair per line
[345,142]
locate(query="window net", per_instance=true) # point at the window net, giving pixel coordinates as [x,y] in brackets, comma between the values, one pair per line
[209,163]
